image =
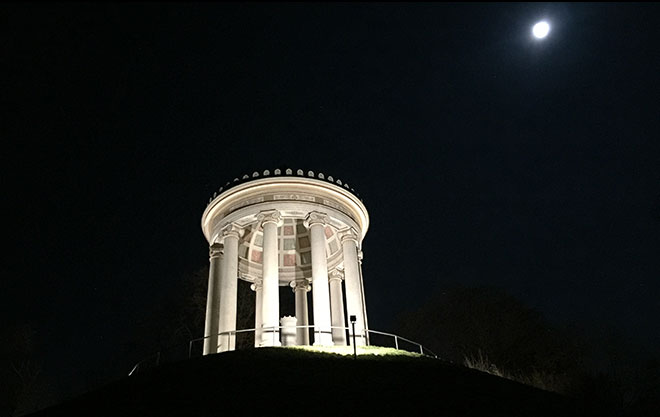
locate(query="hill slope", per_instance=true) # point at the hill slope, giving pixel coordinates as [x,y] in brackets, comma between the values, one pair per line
[278,381]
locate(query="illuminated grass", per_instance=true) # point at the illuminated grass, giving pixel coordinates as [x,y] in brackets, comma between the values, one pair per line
[361,350]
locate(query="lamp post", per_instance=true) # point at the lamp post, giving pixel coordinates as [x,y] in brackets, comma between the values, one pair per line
[353,319]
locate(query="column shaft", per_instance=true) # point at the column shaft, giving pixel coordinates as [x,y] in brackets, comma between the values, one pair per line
[302,314]
[337,311]
[364,304]
[211,324]
[353,288]
[229,293]
[258,315]
[271,296]
[320,290]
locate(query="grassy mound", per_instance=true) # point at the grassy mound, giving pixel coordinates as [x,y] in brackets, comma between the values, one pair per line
[297,382]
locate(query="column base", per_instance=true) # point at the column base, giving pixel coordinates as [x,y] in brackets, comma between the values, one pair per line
[323,339]
[226,342]
[339,337]
[267,338]
[359,341]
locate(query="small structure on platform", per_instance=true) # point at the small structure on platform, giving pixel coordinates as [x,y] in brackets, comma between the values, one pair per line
[286,228]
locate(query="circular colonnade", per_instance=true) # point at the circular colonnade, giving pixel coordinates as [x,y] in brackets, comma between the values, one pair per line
[286,228]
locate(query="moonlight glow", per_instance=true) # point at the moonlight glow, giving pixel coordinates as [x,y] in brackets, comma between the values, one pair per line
[541,30]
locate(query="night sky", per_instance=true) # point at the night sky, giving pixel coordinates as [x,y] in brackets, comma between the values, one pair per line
[484,156]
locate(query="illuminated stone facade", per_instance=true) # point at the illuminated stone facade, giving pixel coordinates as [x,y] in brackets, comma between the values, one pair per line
[286,228]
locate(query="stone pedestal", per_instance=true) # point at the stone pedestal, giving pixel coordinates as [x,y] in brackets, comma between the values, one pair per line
[288,331]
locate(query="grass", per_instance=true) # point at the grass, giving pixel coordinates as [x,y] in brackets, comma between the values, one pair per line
[361,350]
[314,381]
[534,378]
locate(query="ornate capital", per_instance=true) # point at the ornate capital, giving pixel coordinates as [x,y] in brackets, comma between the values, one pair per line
[216,250]
[315,217]
[257,285]
[336,275]
[300,285]
[348,234]
[269,216]
[232,230]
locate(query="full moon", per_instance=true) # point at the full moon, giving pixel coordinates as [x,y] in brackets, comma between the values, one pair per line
[541,30]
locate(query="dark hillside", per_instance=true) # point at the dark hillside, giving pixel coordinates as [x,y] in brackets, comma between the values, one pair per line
[292,382]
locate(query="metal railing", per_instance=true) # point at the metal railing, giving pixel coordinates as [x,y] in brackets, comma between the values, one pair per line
[396,341]
[274,330]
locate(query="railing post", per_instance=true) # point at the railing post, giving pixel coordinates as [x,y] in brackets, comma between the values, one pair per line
[353,319]
[158,358]
[396,342]
[190,349]
[421,349]
[135,368]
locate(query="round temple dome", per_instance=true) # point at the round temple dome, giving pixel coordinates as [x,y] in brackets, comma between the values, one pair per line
[294,250]
[293,195]
[282,172]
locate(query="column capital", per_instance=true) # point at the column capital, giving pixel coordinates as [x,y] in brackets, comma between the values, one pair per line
[300,285]
[257,285]
[269,216]
[336,275]
[315,217]
[348,234]
[232,230]
[216,250]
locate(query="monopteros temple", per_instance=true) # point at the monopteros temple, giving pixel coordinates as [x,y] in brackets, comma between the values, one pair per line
[286,228]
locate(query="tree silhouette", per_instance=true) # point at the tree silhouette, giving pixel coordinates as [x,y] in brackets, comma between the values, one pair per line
[20,372]
[180,318]
[460,322]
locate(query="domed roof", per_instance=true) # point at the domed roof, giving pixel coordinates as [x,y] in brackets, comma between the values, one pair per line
[294,251]
[282,172]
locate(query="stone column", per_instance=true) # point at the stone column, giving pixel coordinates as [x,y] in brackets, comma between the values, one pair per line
[316,222]
[257,287]
[301,288]
[269,220]
[337,308]
[354,307]
[364,304]
[212,300]
[229,287]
